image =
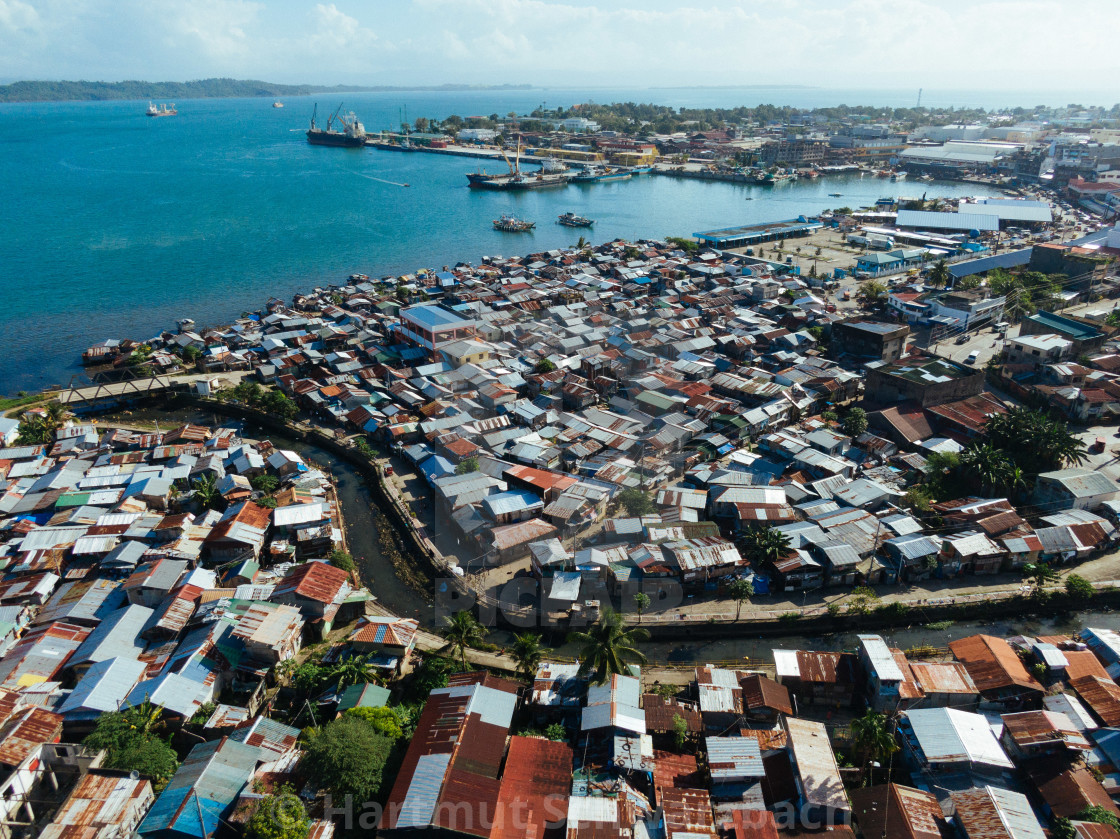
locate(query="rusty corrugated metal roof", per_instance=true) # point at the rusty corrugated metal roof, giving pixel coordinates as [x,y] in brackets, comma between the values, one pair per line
[993,664]
[25,732]
[687,811]
[534,789]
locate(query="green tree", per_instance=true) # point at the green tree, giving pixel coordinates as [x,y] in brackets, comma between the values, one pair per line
[430,675]
[265,483]
[641,603]
[1062,828]
[190,354]
[1099,815]
[467,465]
[556,732]
[278,404]
[1078,588]
[1034,441]
[680,731]
[383,720]
[687,245]
[872,740]
[462,632]
[341,559]
[862,599]
[527,652]
[132,743]
[346,756]
[205,488]
[1039,575]
[855,422]
[544,366]
[985,466]
[939,275]
[354,670]
[636,502]
[279,816]
[762,543]
[607,647]
[740,590]
[871,293]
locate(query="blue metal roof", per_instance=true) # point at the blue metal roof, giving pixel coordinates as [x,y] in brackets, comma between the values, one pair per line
[1011,259]
[202,791]
[433,317]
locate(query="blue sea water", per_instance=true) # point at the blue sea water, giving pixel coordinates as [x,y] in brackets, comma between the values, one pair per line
[116,225]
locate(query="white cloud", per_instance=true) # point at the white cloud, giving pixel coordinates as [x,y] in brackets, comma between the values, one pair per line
[870,44]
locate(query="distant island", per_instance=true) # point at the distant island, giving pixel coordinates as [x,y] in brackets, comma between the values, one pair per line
[45,91]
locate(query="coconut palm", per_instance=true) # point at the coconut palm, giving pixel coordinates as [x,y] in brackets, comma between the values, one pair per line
[762,543]
[607,647]
[872,739]
[939,274]
[527,653]
[462,632]
[355,670]
[986,465]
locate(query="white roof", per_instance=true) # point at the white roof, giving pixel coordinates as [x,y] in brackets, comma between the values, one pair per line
[947,735]
[785,664]
[881,658]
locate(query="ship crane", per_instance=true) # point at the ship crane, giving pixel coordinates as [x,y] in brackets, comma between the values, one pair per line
[333,116]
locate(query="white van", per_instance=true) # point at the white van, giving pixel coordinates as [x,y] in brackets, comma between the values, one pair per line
[972,356]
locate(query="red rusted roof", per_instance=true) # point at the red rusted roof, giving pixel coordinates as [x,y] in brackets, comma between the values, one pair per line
[318,581]
[992,664]
[751,824]
[760,692]
[25,732]
[534,791]
[687,811]
[891,811]
[674,770]
[1101,695]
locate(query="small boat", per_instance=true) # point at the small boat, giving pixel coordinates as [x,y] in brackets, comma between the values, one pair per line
[835,194]
[161,110]
[278,104]
[572,220]
[898,176]
[510,224]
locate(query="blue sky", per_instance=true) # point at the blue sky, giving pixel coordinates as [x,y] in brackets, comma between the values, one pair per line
[987,44]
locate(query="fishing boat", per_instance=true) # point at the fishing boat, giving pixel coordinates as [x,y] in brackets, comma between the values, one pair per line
[898,176]
[352,135]
[835,194]
[641,170]
[572,220]
[161,110]
[278,104]
[510,224]
[594,174]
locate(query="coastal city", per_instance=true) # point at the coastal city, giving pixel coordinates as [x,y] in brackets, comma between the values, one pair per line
[788,506]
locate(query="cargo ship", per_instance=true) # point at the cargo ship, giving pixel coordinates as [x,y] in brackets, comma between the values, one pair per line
[352,135]
[600,174]
[572,220]
[516,179]
[161,110]
[510,224]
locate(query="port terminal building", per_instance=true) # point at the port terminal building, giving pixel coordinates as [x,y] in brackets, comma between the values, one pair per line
[755,234]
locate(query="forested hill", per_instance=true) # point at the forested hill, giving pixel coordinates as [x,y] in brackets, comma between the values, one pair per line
[38,91]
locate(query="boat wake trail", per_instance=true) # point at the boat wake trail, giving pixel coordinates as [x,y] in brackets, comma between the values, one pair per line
[379,180]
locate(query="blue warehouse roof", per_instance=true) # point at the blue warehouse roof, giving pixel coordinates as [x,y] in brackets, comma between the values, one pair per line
[434,317]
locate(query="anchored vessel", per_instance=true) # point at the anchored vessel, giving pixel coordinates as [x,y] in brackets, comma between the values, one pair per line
[278,104]
[161,110]
[572,220]
[510,224]
[352,133]
[598,174]
[550,175]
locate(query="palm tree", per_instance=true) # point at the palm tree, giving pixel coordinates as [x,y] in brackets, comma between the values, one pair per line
[987,465]
[762,543]
[872,739]
[462,632]
[355,670]
[206,490]
[527,653]
[607,646]
[939,274]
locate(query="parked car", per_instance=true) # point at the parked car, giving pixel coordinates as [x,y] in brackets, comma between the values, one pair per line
[962,339]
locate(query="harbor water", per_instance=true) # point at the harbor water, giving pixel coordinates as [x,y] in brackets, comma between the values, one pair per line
[116,225]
